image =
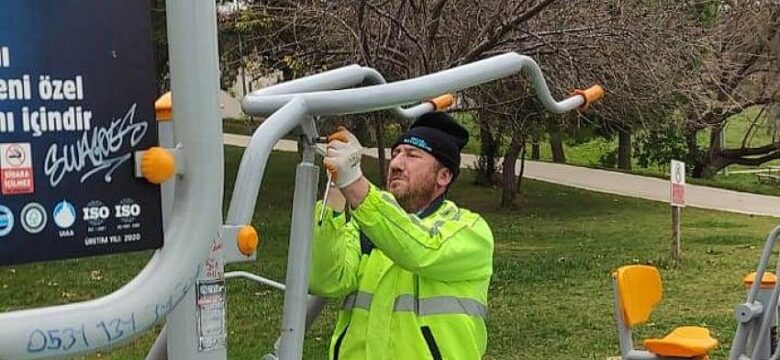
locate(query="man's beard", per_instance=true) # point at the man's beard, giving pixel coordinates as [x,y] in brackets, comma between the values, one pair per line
[415,197]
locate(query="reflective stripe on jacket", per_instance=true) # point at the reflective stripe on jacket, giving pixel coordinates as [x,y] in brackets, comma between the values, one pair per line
[414,287]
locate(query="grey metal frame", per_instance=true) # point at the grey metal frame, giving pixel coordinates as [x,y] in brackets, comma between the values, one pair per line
[291,105]
[758,313]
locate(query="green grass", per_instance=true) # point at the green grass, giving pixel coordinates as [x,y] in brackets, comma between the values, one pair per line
[550,296]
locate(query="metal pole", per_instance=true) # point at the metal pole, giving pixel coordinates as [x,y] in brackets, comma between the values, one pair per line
[159,350]
[299,254]
[676,244]
[192,39]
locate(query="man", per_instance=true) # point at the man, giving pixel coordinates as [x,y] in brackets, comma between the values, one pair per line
[414,267]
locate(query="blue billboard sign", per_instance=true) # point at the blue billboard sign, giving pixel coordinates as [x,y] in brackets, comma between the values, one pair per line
[77,91]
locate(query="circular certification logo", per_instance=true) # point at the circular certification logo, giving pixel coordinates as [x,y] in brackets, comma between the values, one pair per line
[6,220]
[33,218]
[64,214]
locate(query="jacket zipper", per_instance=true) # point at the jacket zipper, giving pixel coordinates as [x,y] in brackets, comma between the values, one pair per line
[431,342]
[337,347]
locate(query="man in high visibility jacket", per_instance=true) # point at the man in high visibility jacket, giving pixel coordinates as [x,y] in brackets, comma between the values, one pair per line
[413,268]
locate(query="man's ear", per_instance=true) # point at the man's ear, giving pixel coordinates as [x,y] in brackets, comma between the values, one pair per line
[443,177]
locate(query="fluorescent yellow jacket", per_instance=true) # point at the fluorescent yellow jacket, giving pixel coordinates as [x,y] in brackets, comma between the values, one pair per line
[414,287]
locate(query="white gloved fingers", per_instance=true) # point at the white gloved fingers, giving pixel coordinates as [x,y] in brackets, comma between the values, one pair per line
[335,144]
[353,141]
[343,157]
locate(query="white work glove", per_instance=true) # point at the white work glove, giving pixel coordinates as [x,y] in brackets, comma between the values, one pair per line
[343,158]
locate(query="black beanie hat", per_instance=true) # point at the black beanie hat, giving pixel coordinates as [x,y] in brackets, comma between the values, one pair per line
[438,134]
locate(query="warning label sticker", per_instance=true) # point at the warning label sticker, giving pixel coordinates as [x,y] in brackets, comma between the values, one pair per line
[16,172]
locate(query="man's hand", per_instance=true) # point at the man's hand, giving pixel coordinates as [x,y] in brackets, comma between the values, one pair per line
[343,158]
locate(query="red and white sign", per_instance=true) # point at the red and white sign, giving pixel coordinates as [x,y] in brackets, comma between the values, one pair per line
[677,176]
[16,172]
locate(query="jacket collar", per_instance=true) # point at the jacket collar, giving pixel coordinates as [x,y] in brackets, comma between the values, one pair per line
[435,205]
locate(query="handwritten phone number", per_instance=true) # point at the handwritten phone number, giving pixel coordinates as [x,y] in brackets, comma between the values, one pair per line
[69,338]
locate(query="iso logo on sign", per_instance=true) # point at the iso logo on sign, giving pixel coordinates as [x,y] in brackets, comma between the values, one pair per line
[95,213]
[33,218]
[127,210]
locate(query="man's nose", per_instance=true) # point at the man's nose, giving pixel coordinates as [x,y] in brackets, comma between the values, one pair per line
[396,163]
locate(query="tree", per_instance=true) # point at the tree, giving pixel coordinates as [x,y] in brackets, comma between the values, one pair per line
[514,116]
[737,71]
[160,42]
[623,44]
[399,38]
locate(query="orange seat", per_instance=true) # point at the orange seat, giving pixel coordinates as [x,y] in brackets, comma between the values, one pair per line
[638,291]
[685,341]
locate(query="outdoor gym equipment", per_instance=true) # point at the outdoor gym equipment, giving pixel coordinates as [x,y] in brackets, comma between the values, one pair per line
[294,104]
[756,337]
[183,283]
[637,290]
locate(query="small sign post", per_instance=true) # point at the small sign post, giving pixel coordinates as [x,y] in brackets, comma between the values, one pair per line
[677,177]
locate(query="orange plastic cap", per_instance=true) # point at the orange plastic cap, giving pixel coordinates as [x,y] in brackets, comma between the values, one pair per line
[768,281]
[163,107]
[248,240]
[442,102]
[591,95]
[157,165]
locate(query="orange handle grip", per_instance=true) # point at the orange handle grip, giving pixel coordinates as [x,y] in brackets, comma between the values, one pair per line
[442,102]
[591,95]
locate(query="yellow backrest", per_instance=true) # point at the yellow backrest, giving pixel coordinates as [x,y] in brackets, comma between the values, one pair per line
[639,290]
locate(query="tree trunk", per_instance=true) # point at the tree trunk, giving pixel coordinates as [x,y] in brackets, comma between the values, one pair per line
[509,191]
[693,151]
[711,162]
[535,139]
[486,169]
[556,143]
[712,167]
[624,150]
[522,169]
[379,132]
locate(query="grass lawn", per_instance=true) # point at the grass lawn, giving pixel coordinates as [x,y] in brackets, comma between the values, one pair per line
[551,295]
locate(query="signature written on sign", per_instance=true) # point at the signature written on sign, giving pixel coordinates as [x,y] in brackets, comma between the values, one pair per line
[101,149]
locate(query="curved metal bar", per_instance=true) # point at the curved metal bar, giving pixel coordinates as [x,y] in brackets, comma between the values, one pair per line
[379,97]
[255,278]
[89,326]
[252,168]
[372,76]
[340,78]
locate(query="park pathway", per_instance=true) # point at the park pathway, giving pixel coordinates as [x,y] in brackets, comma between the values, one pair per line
[609,182]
